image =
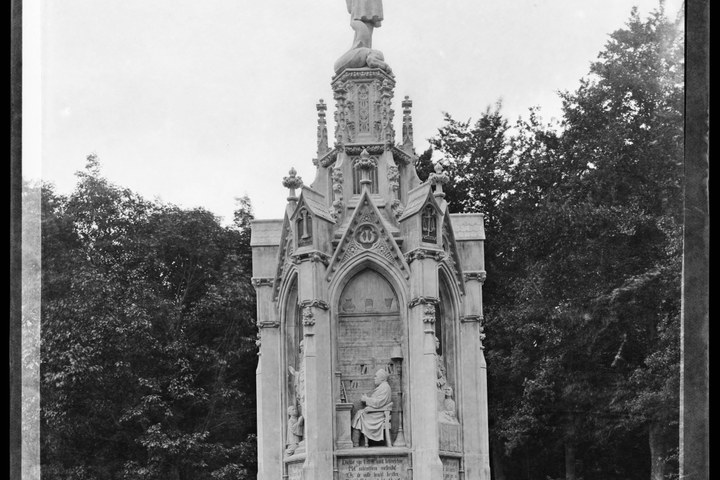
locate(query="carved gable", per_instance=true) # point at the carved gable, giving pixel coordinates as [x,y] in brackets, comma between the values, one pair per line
[367,232]
[452,259]
[284,260]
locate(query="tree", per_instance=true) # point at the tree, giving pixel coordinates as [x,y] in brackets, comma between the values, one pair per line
[583,250]
[148,347]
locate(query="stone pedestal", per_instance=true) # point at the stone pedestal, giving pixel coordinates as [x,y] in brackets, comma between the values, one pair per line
[342,425]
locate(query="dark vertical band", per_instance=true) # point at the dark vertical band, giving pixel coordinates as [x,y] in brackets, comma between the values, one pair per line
[694,389]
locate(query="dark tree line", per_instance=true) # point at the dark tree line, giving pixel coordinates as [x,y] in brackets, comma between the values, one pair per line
[583,249]
[148,338]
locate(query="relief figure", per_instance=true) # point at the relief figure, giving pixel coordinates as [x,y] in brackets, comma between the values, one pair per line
[368,420]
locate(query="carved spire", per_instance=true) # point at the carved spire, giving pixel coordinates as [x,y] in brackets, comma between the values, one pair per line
[438,179]
[407,130]
[365,164]
[322,134]
[292,182]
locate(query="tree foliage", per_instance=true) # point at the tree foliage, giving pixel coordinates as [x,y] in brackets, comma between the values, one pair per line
[148,345]
[583,255]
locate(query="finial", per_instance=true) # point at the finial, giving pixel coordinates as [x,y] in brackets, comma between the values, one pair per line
[322,135]
[407,131]
[438,179]
[292,182]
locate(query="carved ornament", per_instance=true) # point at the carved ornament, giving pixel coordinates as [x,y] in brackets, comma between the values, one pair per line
[358,149]
[423,253]
[314,256]
[314,303]
[423,301]
[397,207]
[258,282]
[308,317]
[429,313]
[478,276]
[292,181]
[328,159]
[367,232]
[403,156]
[284,263]
[270,324]
[366,162]
[471,319]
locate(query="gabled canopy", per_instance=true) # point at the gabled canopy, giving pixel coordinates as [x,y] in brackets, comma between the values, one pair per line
[367,231]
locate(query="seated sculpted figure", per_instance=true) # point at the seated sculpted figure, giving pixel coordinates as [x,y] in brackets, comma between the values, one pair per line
[371,424]
[448,413]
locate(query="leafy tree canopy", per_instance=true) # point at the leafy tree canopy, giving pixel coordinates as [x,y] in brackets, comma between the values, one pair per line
[148,345]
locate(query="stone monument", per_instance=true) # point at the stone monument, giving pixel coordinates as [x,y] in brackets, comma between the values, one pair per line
[369,295]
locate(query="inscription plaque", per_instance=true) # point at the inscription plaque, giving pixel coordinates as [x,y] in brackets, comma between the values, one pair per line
[373,468]
[451,468]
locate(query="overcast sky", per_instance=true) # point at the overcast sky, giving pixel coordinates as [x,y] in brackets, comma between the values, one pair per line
[198,102]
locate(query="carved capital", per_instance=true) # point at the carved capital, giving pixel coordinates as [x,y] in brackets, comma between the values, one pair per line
[478,276]
[471,319]
[258,282]
[268,324]
[314,256]
[423,301]
[423,253]
[314,303]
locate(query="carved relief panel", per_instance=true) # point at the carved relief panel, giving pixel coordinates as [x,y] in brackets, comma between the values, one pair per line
[429,224]
[370,333]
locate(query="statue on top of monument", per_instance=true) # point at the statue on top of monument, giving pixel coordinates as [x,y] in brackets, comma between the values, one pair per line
[365,16]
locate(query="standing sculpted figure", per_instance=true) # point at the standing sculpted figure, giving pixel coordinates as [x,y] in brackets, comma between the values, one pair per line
[365,16]
[299,380]
[371,424]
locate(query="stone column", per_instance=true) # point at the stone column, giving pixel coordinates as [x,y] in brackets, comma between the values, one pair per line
[319,401]
[473,372]
[268,380]
[422,366]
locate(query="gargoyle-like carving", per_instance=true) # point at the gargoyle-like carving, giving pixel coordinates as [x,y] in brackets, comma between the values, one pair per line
[422,301]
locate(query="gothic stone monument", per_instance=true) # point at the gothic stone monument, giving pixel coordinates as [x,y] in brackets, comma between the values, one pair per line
[369,297]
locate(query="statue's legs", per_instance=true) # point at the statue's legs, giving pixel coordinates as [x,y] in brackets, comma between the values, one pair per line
[363,34]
